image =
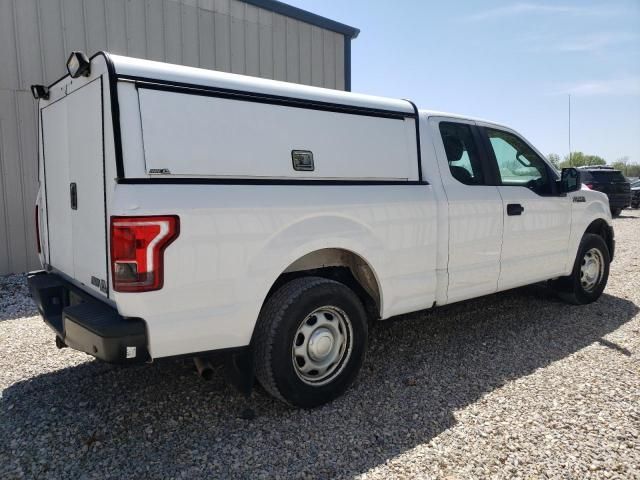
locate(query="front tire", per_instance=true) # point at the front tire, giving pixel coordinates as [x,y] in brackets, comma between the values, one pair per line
[615,212]
[310,341]
[590,272]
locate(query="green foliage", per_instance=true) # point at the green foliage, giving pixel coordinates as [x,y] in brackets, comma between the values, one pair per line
[579,159]
[555,159]
[627,169]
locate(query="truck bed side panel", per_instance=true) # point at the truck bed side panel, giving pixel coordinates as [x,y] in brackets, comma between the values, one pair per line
[235,240]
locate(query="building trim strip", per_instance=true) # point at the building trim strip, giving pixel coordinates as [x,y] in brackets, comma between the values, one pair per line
[305,16]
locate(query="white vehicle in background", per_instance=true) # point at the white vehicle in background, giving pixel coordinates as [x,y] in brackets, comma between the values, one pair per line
[186,212]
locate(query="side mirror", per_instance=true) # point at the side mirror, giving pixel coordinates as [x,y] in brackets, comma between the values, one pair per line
[570,180]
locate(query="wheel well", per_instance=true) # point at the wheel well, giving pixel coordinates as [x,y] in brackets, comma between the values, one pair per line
[342,266]
[601,227]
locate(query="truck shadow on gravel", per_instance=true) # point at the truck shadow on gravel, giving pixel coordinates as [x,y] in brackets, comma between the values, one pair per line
[164,421]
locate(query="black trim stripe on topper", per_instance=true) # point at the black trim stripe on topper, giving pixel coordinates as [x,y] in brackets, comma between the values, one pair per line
[115,113]
[281,100]
[417,118]
[259,181]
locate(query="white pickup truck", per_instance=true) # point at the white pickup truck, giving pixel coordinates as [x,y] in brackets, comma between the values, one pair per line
[187,212]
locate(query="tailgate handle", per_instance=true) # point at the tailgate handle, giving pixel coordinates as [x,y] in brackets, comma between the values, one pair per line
[73,193]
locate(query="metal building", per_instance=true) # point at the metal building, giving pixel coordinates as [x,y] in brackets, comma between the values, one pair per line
[264,38]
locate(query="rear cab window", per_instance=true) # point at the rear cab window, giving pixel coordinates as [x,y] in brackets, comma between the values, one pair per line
[463,155]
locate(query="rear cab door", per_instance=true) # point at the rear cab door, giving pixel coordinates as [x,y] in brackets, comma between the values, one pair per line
[475,210]
[72,203]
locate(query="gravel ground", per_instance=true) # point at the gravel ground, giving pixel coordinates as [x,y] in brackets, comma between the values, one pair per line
[515,385]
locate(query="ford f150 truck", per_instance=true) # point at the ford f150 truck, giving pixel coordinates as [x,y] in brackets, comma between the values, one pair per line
[187,212]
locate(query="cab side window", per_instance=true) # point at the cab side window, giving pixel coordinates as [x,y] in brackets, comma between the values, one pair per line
[462,152]
[518,164]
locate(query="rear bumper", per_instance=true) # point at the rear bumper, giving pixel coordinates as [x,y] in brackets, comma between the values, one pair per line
[87,324]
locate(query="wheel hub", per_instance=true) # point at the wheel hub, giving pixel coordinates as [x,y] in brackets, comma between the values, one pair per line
[322,345]
[591,269]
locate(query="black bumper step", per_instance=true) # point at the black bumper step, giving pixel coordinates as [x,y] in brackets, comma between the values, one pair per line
[85,323]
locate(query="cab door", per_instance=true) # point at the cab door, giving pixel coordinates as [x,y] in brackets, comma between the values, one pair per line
[537,219]
[474,209]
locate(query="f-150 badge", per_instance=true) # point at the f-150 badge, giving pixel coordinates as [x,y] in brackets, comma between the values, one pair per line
[100,283]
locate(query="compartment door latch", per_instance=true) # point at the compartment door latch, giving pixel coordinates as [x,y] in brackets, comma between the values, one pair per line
[302,160]
[73,194]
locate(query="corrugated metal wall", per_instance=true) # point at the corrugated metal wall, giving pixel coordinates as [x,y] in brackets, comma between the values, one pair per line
[36,37]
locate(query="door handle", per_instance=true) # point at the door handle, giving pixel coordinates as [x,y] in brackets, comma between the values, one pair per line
[514,209]
[73,194]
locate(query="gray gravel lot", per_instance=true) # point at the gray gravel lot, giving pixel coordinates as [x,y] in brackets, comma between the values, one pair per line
[515,385]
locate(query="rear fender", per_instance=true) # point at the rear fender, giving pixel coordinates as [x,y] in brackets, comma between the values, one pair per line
[310,235]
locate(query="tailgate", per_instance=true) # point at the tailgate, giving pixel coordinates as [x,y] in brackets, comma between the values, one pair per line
[74,186]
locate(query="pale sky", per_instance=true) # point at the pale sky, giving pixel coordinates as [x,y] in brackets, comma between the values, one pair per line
[510,62]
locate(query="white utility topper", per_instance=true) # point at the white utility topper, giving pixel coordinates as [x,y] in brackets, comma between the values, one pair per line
[186,212]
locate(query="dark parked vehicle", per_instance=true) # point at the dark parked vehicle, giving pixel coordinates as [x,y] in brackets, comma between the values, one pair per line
[635,194]
[611,182]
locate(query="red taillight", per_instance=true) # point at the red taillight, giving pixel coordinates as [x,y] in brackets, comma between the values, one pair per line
[38,230]
[589,186]
[137,251]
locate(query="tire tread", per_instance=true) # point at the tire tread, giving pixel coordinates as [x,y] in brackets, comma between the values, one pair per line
[565,286]
[270,318]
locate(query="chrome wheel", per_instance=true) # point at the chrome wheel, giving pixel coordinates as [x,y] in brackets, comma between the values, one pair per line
[322,345]
[591,269]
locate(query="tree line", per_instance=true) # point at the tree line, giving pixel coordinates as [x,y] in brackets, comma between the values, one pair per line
[579,159]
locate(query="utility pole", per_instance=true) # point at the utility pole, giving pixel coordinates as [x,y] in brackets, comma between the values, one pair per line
[570,162]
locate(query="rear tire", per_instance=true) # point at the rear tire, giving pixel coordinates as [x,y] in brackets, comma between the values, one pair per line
[590,272]
[615,212]
[310,341]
